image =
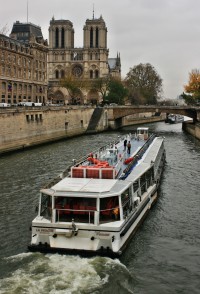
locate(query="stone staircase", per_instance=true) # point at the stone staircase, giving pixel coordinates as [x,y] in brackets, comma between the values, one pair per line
[95,118]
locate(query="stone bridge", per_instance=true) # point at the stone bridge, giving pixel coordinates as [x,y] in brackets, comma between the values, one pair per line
[116,113]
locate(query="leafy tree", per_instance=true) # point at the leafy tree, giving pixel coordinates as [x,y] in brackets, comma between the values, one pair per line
[144,84]
[101,85]
[192,88]
[116,91]
[111,89]
[74,86]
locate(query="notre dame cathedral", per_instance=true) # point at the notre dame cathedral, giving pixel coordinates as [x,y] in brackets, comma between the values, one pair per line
[90,62]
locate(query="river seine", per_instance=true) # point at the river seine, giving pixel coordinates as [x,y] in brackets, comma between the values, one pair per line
[164,255]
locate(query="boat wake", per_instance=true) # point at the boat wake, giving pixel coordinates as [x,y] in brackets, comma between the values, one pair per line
[37,273]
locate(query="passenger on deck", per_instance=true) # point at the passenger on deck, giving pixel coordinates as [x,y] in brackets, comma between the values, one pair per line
[125,143]
[129,147]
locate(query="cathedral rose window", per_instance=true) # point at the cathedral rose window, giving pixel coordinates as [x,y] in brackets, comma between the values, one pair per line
[77,71]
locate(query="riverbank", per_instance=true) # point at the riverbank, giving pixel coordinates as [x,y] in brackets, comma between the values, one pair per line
[23,128]
[192,129]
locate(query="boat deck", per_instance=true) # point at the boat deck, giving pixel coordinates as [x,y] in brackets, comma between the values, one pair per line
[115,155]
[107,162]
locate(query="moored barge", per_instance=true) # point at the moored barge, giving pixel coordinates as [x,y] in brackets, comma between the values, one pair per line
[174,118]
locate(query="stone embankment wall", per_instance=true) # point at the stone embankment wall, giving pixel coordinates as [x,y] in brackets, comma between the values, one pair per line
[25,127]
[193,129]
[142,118]
[21,128]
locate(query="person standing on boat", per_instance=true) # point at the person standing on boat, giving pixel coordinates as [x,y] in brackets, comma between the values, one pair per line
[129,147]
[125,143]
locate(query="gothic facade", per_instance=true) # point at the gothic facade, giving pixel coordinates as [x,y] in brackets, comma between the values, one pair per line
[87,63]
[23,65]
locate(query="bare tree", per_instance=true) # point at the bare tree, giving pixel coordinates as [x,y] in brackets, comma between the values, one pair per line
[144,84]
[4,30]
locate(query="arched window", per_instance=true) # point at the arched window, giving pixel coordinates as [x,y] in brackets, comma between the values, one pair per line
[62,74]
[91,74]
[3,70]
[91,38]
[57,38]
[15,87]
[57,74]
[3,86]
[96,74]
[62,38]
[97,37]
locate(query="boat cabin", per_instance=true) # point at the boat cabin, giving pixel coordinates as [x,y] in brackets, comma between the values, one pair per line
[142,133]
[94,201]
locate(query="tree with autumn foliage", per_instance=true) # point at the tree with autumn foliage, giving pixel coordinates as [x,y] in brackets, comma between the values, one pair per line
[192,88]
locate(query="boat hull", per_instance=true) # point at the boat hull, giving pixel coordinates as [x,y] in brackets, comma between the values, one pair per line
[125,234]
[174,119]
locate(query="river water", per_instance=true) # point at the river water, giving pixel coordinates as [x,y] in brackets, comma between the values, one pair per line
[164,255]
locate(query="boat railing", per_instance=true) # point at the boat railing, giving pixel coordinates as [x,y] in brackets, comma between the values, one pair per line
[76,163]
[79,215]
[81,160]
[137,157]
[87,216]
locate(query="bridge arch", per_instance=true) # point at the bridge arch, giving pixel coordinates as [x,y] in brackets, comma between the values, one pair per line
[128,110]
[116,113]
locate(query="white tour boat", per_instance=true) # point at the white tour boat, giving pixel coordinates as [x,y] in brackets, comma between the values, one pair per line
[96,205]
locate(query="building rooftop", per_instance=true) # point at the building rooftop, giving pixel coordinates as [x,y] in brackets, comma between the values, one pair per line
[23,31]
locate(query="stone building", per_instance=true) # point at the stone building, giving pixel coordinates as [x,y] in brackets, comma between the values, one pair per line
[87,63]
[23,65]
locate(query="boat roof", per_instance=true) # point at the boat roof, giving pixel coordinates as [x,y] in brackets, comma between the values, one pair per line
[81,185]
[146,162]
[153,150]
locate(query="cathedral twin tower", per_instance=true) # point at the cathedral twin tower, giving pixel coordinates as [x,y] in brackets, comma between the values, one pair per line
[89,62]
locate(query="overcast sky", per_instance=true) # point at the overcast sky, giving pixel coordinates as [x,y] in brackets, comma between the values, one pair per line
[164,33]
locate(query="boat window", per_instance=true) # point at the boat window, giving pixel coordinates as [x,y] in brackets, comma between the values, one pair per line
[149,177]
[135,186]
[46,206]
[126,202]
[143,183]
[109,209]
[78,208]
